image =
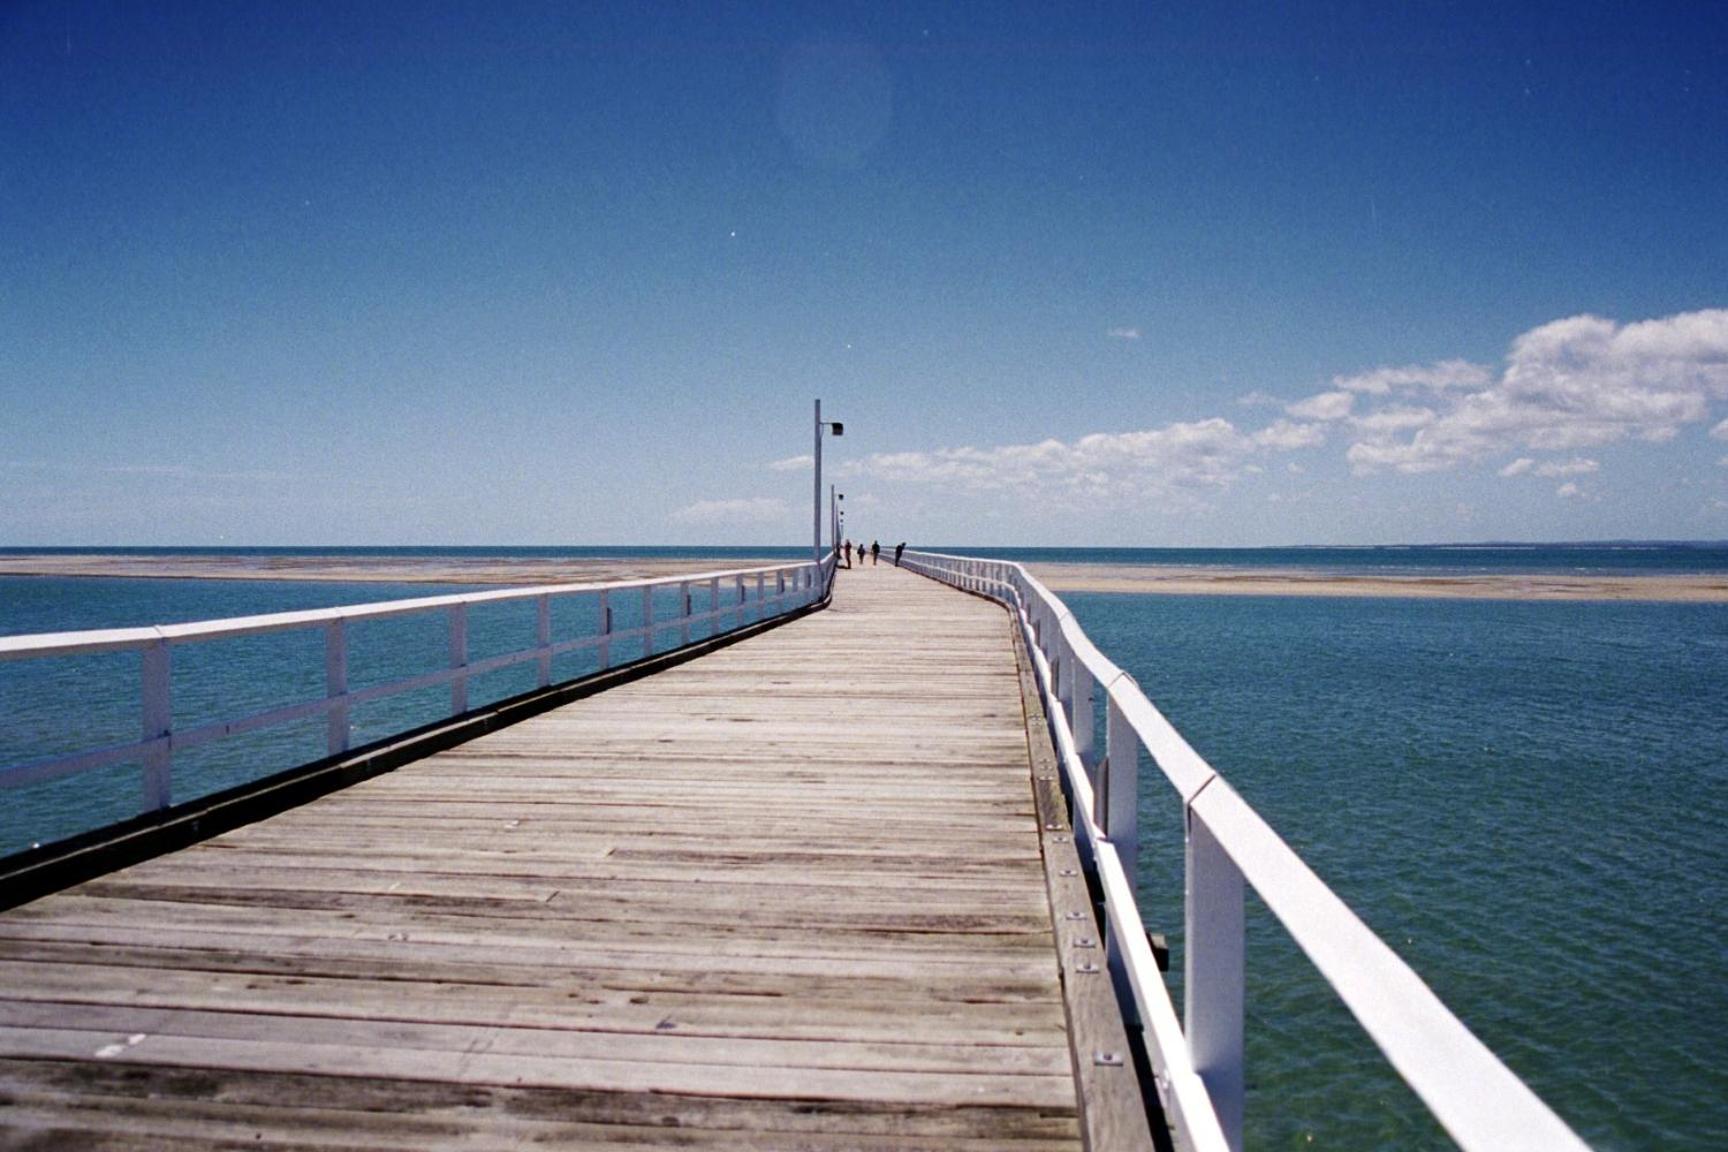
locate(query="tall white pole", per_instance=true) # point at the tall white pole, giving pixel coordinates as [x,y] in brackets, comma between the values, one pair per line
[816,495]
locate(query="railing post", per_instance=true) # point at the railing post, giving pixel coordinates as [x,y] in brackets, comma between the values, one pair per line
[336,686]
[744,598]
[648,621]
[1119,787]
[543,637]
[1079,817]
[1117,792]
[714,626]
[158,718]
[779,583]
[1213,968]
[459,658]
[684,605]
[605,645]
[1058,672]
[1082,714]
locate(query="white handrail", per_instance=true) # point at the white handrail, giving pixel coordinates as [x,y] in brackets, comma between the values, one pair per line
[100,640]
[793,586]
[1199,1071]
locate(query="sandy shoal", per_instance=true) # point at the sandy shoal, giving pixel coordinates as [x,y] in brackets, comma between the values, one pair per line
[1171,581]
[374,569]
[1687,588]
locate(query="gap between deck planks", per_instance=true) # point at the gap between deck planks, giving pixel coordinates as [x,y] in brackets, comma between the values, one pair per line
[790,894]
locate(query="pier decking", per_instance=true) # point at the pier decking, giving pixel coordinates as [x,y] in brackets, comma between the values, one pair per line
[795,893]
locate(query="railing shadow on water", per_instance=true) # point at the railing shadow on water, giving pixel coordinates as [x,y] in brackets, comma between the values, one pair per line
[1197,1061]
[132,722]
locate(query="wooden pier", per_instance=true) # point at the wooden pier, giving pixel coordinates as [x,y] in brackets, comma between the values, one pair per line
[813,890]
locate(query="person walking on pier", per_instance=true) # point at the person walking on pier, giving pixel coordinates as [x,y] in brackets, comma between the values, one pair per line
[875,552]
[899,550]
[848,553]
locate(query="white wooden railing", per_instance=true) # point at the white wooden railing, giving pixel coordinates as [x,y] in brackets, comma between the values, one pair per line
[734,598]
[1198,1069]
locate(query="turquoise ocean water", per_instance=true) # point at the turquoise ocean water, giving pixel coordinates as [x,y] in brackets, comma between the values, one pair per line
[1529,801]
[58,706]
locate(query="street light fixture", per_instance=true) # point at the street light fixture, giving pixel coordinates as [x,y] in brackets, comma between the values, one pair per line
[837,429]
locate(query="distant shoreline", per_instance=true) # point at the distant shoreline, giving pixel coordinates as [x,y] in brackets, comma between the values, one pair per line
[1691,588]
[502,570]
[1703,588]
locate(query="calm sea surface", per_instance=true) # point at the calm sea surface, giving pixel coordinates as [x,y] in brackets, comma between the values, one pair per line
[1529,801]
[1435,559]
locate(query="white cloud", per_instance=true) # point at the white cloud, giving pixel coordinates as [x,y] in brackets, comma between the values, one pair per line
[1325,406]
[1258,399]
[1394,419]
[794,463]
[1435,377]
[168,472]
[1287,436]
[1204,455]
[1575,383]
[1578,466]
[1552,469]
[1124,333]
[761,510]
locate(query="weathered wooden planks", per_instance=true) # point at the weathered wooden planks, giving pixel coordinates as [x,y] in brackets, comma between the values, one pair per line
[789,895]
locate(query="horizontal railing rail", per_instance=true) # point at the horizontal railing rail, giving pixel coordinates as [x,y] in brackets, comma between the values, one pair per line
[734,598]
[1197,1063]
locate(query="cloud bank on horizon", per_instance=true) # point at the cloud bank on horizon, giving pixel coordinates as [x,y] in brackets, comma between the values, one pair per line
[1575,384]
[758,510]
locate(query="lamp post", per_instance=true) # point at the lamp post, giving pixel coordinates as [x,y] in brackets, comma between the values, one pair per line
[838,429]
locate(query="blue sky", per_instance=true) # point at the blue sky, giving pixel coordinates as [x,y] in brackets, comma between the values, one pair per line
[1143,274]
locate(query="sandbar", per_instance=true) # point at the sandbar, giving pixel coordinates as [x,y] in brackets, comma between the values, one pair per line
[1691,588]
[1698,588]
[492,570]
